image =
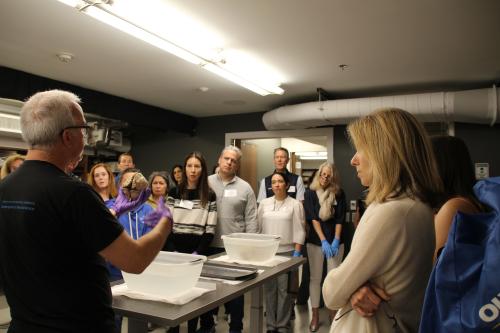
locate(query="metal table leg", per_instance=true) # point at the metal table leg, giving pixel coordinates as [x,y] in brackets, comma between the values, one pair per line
[257,310]
[137,326]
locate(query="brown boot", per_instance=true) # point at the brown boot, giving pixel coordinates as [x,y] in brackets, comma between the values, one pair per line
[314,325]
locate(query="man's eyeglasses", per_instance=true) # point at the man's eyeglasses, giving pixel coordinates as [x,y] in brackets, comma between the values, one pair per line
[84,128]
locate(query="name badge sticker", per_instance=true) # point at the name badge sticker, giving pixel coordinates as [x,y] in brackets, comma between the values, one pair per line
[291,189]
[188,204]
[230,193]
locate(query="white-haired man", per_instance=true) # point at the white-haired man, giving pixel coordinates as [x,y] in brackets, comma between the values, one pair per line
[55,231]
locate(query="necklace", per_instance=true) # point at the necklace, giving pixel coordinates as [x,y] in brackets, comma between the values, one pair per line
[276,208]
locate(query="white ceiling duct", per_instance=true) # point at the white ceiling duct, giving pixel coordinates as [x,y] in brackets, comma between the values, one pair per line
[480,106]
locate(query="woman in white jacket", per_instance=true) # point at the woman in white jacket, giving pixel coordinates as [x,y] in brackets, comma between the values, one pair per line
[392,249]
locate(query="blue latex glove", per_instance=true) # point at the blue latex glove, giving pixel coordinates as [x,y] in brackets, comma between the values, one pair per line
[335,247]
[326,248]
[296,253]
[123,204]
[155,216]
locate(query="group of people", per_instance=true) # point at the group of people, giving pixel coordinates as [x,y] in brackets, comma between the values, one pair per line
[57,232]
[206,207]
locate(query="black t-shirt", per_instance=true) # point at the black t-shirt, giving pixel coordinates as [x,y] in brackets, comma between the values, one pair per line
[311,209]
[52,227]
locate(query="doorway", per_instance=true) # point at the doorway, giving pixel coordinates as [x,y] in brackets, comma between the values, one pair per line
[308,149]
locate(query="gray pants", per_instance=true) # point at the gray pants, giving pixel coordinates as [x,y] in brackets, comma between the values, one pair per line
[278,304]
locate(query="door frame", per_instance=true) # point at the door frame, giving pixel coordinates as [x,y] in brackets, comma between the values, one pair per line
[325,131]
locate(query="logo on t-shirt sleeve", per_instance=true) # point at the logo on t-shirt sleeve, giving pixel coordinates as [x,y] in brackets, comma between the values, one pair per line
[17,205]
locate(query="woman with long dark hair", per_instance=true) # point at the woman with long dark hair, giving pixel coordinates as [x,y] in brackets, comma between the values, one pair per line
[194,209]
[176,174]
[457,173]
[158,184]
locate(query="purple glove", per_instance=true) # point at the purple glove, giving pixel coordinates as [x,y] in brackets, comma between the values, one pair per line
[155,216]
[123,204]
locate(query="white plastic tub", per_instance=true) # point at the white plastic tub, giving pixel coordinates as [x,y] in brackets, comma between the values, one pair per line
[251,247]
[169,274]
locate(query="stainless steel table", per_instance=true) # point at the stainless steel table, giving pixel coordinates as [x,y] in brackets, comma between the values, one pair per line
[139,312]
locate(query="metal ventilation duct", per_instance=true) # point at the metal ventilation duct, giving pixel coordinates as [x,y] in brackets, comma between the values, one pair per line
[480,106]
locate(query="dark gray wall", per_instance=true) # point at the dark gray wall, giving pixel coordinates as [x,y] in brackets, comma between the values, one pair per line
[483,142]
[154,150]
[21,85]
[343,152]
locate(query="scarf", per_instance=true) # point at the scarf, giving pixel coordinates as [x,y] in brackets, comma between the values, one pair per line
[326,202]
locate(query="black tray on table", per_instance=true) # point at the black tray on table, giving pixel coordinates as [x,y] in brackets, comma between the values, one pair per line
[227,272]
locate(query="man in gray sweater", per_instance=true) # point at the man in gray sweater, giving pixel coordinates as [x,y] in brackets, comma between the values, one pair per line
[236,212]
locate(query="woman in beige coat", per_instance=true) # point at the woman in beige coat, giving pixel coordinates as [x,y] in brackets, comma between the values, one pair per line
[393,246]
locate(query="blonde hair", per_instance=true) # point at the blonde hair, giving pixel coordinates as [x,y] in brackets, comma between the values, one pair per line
[334,185]
[400,154]
[111,185]
[8,162]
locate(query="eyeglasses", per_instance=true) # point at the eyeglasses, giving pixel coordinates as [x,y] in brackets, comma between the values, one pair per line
[84,128]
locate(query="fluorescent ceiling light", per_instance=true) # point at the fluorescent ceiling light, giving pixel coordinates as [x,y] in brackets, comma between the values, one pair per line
[135,19]
[139,33]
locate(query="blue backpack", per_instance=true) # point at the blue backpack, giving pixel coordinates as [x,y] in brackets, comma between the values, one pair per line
[463,294]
